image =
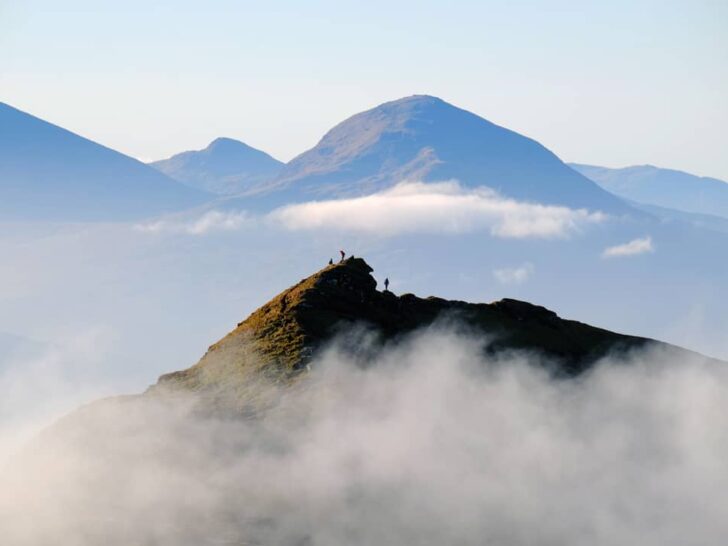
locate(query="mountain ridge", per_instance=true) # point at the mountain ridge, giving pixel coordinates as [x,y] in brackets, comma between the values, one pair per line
[50,173]
[666,188]
[341,303]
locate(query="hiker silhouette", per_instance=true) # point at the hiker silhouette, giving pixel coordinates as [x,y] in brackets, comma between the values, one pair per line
[386,284]
[343,255]
[331,261]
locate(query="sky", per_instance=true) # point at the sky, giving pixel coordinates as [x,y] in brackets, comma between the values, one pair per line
[608,83]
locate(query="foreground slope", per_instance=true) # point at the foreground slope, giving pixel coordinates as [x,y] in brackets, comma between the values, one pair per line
[662,187]
[425,138]
[263,443]
[279,339]
[49,173]
[225,167]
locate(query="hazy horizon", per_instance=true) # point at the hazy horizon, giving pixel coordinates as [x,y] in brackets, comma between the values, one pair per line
[614,85]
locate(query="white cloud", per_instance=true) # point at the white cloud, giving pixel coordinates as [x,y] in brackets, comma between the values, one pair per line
[410,207]
[634,247]
[432,442]
[210,221]
[414,207]
[514,275]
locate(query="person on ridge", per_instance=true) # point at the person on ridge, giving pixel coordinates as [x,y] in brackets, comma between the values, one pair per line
[386,284]
[331,261]
[343,255]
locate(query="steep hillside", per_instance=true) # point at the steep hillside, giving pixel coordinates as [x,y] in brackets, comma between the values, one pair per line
[279,340]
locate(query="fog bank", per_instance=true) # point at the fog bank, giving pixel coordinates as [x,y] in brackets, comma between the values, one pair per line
[433,444]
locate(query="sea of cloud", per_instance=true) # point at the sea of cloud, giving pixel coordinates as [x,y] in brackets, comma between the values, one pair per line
[430,443]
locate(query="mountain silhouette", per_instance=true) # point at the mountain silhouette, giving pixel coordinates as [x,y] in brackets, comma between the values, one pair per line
[662,187]
[225,167]
[424,138]
[49,173]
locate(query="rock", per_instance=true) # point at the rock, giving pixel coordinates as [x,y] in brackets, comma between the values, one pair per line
[279,340]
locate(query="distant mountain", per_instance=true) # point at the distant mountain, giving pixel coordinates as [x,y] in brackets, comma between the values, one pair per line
[49,173]
[225,167]
[425,138]
[695,219]
[662,187]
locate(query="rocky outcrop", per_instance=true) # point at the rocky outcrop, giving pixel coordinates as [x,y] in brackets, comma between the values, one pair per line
[279,340]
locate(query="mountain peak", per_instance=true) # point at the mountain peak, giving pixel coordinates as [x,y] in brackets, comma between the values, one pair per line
[280,339]
[417,97]
[226,143]
[222,141]
[426,139]
[409,101]
[226,166]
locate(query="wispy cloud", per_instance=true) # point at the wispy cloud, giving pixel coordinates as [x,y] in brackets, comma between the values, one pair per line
[210,221]
[632,248]
[514,275]
[414,207]
[50,378]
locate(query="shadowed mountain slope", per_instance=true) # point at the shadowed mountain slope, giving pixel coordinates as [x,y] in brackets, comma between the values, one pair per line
[225,167]
[49,173]
[425,138]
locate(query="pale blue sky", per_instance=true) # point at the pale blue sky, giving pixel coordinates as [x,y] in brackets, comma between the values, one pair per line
[611,83]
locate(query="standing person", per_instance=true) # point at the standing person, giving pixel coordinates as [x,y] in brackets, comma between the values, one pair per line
[331,261]
[343,255]
[386,284]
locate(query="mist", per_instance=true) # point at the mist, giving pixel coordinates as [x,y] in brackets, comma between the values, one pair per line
[429,443]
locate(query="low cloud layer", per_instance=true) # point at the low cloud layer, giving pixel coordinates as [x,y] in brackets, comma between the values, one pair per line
[209,222]
[433,444]
[632,248]
[437,208]
[514,275]
[410,207]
